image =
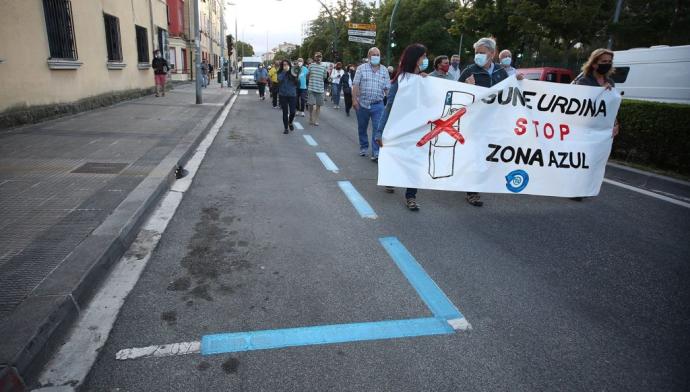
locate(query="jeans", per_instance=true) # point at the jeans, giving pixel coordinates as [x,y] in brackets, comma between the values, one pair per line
[288,103]
[336,94]
[301,99]
[262,89]
[363,115]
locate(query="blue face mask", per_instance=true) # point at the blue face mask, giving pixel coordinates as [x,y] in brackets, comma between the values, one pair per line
[425,65]
[480,59]
[375,60]
[506,61]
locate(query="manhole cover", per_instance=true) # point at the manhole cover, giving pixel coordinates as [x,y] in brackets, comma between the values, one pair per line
[100,168]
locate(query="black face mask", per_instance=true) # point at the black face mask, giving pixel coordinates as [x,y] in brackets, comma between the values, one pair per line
[603,69]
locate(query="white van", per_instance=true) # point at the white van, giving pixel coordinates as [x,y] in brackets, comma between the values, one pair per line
[248,66]
[658,73]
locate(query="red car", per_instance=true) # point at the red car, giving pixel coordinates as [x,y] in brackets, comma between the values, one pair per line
[548,74]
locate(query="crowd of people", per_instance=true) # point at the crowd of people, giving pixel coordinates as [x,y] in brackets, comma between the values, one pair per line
[370,88]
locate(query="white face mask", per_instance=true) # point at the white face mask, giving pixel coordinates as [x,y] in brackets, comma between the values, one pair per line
[506,61]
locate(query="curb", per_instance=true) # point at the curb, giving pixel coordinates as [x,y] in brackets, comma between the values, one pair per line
[667,186]
[38,325]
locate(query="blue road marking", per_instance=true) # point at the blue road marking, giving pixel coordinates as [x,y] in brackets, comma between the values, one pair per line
[310,140]
[297,125]
[327,162]
[360,204]
[427,289]
[326,334]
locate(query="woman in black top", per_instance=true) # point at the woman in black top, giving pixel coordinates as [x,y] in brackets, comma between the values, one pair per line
[597,72]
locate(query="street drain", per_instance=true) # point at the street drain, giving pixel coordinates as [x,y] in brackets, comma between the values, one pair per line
[100,168]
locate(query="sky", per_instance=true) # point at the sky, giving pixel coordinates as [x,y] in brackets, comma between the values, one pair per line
[259,21]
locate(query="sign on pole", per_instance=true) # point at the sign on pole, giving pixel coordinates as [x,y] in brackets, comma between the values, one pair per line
[363,40]
[362,26]
[362,33]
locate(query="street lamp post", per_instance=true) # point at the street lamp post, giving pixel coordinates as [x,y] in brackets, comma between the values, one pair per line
[335,28]
[616,16]
[197,52]
[222,45]
[390,32]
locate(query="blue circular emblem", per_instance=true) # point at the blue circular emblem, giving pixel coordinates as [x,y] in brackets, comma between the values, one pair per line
[517,180]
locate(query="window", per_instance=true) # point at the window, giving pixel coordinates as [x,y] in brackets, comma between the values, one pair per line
[112,38]
[184,60]
[60,28]
[565,78]
[620,74]
[551,77]
[142,44]
[163,42]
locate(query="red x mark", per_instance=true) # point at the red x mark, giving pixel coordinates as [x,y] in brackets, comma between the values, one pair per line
[444,126]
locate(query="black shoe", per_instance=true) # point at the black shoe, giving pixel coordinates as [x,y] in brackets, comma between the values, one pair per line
[389,189]
[292,127]
[576,198]
[286,131]
[412,204]
[474,200]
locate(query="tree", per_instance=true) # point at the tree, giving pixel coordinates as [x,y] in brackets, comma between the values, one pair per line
[244,49]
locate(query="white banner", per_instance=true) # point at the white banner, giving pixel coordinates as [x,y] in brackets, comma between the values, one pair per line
[526,136]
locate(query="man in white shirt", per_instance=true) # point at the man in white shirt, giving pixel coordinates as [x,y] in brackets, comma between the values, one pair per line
[506,60]
[454,71]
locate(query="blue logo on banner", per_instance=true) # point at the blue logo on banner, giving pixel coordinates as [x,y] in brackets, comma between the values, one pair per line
[517,180]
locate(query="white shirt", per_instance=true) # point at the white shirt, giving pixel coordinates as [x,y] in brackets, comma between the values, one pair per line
[455,73]
[336,74]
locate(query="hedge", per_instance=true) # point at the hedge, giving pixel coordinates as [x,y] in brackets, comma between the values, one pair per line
[654,134]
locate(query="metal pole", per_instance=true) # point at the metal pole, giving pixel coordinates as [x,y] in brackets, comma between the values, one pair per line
[197,52]
[222,45]
[390,32]
[616,16]
[234,52]
[209,35]
[460,49]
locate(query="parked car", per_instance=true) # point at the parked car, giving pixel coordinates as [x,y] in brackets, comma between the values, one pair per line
[548,74]
[658,73]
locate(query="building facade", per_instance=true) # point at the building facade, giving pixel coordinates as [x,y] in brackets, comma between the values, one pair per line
[72,50]
[72,55]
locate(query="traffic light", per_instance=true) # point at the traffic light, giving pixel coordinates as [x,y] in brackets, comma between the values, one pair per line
[393,44]
[230,43]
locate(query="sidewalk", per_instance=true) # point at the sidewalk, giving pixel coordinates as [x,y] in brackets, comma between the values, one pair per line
[73,194]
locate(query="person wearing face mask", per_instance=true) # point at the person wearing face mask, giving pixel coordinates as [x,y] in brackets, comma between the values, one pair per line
[346,85]
[455,69]
[160,72]
[273,83]
[370,85]
[441,67]
[506,60]
[261,78]
[302,87]
[412,62]
[287,92]
[596,72]
[318,73]
[482,73]
[336,74]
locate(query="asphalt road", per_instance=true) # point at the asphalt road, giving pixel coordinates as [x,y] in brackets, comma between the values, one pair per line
[560,295]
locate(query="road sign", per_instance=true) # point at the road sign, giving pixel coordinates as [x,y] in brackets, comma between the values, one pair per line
[362,26]
[362,33]
[363,40]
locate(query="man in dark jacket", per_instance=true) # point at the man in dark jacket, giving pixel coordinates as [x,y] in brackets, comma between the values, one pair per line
[160,71]
[482,73]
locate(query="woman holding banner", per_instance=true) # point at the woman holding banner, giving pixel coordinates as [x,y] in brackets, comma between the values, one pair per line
[596,72]
[412,62]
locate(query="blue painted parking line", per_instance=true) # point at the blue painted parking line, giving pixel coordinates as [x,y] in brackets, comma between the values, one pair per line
[327,162]
[360,204]
[427,289]
[326,334]
[297,125]
[310,140]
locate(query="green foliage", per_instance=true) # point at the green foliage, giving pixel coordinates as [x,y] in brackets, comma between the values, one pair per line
[654,134]
[244,49]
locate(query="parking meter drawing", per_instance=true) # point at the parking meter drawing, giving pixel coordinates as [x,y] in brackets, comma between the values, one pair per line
[444,135]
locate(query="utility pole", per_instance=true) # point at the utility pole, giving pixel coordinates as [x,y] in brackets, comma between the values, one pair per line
[222,45]
[335,28]
[197,52]
[234,52]
[209,35]
[616,16]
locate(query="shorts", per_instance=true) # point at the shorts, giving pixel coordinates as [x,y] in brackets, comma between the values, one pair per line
[315,98]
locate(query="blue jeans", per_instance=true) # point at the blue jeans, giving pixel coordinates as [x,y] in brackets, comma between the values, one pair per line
[336,94]
[363,115]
